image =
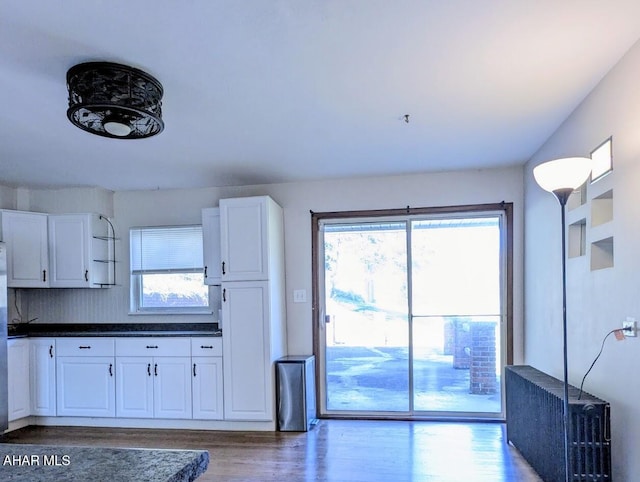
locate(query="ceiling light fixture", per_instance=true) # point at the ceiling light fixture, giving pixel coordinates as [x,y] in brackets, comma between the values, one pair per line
[114,100]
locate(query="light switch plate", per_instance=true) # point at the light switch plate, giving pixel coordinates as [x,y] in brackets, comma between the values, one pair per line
[299,296]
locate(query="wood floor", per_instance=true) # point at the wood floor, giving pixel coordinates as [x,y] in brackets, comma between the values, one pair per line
[335,450]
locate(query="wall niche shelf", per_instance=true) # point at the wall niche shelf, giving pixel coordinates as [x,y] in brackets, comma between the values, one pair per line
[602,208]
[577,239]
[602,254]
[577,198]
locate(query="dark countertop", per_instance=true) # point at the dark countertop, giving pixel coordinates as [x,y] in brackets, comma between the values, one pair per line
[114,329]
[48,463]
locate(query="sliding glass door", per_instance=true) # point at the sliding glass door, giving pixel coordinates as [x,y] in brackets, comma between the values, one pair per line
[366,323]
[456,293]
[411,314]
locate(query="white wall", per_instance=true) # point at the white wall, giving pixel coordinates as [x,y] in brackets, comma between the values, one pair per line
[7,198]
[598,301]
[136,208]
[60,201]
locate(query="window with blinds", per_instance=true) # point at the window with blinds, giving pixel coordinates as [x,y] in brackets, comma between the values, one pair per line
[167,270]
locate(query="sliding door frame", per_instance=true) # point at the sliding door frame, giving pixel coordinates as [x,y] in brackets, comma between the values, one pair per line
[506,249]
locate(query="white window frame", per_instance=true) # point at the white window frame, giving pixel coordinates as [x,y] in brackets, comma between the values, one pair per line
[136,271]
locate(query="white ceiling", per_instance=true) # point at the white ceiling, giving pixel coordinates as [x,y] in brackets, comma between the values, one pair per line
[264,91]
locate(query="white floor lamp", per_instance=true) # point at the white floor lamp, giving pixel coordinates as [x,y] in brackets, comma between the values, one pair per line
[561,177]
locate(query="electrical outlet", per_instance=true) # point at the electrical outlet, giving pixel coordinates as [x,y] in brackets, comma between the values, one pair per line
[630,328]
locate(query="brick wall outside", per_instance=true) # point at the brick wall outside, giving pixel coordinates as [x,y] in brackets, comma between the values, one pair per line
[449,337]
[461,344]
[483,379]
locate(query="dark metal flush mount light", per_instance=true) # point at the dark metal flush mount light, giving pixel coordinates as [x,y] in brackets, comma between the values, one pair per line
[114,100]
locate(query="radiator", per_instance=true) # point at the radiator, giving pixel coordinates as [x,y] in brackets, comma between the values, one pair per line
[534,406]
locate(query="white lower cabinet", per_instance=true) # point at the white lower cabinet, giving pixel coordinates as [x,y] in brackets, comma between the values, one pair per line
[43,376]
[134,390]
[18,378]
[128,377]
[85,377]
[154,377]
[207,375]
[172,387]
[249,384]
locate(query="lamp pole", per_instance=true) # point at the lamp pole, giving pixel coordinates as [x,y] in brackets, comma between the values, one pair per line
[563,195]
[561,177]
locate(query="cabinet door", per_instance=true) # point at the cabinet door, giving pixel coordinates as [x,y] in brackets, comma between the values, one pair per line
[27,251]
[207,388]
[243,238]
[248,381]
[211,245]
[85,386]
[43,376]
[134,390]
[18,378]
[69,250]
[172,387]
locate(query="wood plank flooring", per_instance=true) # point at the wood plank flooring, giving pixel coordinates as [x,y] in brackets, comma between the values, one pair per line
[335,450]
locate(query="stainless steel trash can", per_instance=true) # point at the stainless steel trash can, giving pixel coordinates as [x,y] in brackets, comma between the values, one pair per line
[296,393]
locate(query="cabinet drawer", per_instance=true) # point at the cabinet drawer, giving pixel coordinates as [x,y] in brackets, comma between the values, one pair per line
[85,346]
[206,346]
[153,346]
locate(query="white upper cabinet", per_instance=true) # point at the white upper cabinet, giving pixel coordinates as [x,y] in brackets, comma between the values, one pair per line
[79,251]
[250,229]
[57,250]
[25,234]
[211,245]
[253,315]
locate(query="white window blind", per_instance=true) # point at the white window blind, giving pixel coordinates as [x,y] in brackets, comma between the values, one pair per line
[166,249]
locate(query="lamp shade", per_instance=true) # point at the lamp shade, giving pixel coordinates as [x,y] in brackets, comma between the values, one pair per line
[564,174]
